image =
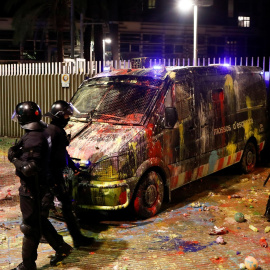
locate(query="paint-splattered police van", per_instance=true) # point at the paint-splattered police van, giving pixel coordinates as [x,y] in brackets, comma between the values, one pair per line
[141,133]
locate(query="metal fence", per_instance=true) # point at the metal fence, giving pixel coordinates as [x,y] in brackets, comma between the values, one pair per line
[42,82]
[43,89]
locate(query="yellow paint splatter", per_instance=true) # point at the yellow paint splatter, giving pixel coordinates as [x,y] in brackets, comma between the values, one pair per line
[228,83]
[231,148]
[182,142]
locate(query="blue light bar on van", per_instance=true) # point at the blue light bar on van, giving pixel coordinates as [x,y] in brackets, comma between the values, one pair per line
[107,69]
[158,67]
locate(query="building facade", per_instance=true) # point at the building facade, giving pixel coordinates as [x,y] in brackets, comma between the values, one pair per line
[155,29]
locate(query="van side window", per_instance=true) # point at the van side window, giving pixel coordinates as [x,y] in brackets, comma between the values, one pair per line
[184,100]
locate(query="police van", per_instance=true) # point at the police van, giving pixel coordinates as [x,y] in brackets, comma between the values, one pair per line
[141,133]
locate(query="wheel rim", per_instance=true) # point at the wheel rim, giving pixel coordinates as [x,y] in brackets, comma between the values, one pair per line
[150,196]
[250,158]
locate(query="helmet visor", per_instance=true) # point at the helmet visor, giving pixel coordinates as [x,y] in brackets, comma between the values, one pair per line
[14,116]
[74,111]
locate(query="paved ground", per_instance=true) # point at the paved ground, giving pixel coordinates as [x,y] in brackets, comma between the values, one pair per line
[178,238]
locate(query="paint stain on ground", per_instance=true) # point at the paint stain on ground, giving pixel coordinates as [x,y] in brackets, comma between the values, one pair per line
[218,260]
[180,245]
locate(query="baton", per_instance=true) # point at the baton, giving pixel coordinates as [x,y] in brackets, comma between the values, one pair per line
[266,180]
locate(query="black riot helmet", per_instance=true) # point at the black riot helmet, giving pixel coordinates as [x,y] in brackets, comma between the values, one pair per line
[28,114]
[60,112]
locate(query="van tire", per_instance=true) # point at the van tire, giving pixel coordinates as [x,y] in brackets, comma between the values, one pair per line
[249,158]
[149,195]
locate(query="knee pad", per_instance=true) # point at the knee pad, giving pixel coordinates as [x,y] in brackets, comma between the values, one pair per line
[26,229]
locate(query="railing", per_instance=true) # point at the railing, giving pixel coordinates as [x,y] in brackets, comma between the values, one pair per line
[80,66]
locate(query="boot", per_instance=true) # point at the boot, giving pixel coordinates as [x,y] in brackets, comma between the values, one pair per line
[22,267]
[82,240]
[61,254]
[74,228]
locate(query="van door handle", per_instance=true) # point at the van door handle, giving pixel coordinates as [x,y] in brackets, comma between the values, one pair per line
[204,125]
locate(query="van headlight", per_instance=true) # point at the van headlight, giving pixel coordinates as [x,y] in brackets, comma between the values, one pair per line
[110,169]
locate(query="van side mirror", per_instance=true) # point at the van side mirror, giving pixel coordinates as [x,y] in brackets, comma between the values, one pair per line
[170,117]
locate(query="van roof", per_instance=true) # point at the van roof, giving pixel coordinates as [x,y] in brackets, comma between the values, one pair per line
[161,73]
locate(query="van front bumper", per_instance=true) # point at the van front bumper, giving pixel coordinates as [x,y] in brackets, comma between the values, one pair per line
[102,195]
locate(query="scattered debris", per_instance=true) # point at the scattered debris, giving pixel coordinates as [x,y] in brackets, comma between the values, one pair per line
[3,226]
[267,229]
[234,196]
[242,266]
[220,240]
[196,205]
[218,231]
[263,242]
[251,263]
[239,217]
[254,229]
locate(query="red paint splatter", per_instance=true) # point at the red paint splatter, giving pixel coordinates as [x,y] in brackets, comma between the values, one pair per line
[154,148]
[218,260]
[123,197]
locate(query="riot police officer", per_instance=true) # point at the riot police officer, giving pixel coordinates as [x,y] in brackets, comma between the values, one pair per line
[30,158]
[60,114]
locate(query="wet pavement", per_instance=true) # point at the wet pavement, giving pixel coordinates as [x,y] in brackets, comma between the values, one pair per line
[178,238]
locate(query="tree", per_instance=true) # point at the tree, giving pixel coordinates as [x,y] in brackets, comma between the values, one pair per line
[41,15]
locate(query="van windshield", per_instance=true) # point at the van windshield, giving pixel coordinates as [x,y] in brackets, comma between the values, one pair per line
[116,99]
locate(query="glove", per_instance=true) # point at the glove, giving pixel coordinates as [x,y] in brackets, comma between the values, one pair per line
[27,168]
[15,151]
[11,153]
[17,163]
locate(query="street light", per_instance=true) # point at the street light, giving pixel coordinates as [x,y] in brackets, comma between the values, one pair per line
[104,41]
[187,5]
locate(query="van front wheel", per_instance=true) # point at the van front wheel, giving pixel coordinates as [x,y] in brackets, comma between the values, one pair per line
[149,196]
[249,158]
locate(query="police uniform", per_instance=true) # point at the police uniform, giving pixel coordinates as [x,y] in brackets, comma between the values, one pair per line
[30,157]
[60,159]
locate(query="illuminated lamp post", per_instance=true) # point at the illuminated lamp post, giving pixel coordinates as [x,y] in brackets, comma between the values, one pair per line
[186,5]
[104,41]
